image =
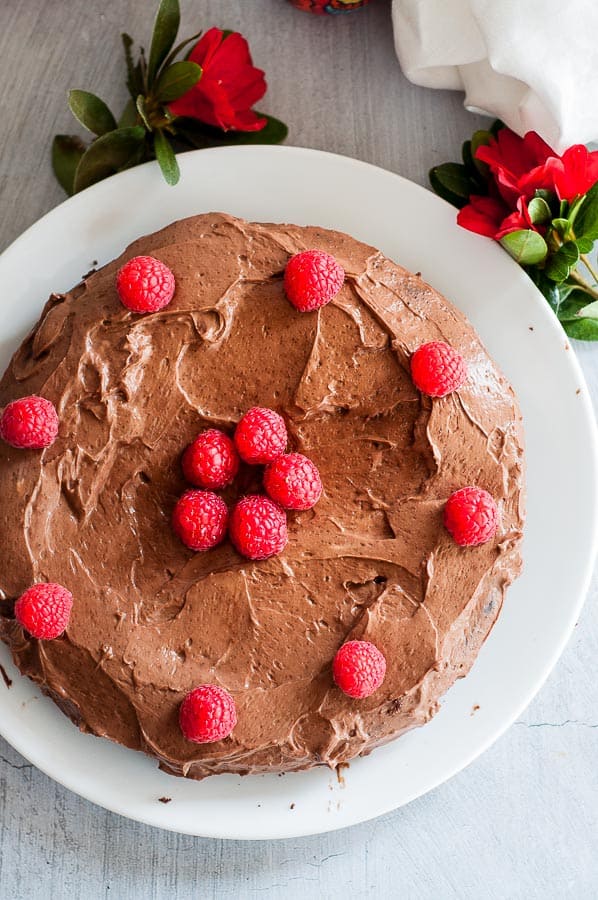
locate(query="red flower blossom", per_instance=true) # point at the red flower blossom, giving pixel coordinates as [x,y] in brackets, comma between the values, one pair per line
[484,215]
[518,168]
[513,161]
[577,172]
[521,166]
[517,220]
[229,86]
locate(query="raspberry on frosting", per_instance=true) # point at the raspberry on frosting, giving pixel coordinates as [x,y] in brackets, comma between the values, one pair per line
[359,668]
[294,596]
[293,481]
[312,279]
[145,284]
[44,610]
[211,461]
[437,369]
[207,714]
[471,516]
[30,423]
[199,519]
[258,527]
[261,436]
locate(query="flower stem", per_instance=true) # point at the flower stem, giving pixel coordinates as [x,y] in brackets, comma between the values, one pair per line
[585,260]
[583,284]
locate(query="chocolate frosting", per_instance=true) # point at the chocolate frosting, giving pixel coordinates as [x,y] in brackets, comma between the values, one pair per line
[151,619]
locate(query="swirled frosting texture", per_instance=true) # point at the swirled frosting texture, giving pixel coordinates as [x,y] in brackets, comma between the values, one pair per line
[152,619]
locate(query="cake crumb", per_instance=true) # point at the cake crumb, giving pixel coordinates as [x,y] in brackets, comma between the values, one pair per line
[292,806]
[339,773]
[164,799]
[578,391]
[7,681]
[92,270]
[531,327]
[474,709]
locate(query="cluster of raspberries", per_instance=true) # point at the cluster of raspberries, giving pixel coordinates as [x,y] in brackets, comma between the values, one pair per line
[257,525]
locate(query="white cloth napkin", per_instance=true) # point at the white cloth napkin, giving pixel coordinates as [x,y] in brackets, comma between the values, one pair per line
[531,63]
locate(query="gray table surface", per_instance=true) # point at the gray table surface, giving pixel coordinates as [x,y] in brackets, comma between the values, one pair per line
[521,821]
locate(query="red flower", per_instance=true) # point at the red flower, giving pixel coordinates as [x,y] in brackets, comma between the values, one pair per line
[483,215]
[521,166]
[229,86]
[518,168]
[577,172]
[515,161]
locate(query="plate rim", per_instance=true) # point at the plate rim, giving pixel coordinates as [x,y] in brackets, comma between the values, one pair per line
[44,765]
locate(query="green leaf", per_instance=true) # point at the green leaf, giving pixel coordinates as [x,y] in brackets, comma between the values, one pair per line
[495,127]
[164,35]
[179,47]
[452,182]
[564,206]
[480,139]
[67,150]
[176,80]
[134,72]
[129,115]
[140,104]
[467,157]
[199,135]
[91,112]
[555,294]
[106,155]
[586,224]
[166,158]
[584,244]
[590,311]
[545,195]
[560,265]
[574,301]
[575,208]
[472,166]
[274,132]
[582,329]
[527,247]
[539,211]
[551,199]
[561,226]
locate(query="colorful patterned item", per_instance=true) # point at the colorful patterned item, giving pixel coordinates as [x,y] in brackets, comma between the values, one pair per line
[329,7]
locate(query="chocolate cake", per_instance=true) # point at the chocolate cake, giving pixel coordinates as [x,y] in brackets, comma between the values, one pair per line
[372,560]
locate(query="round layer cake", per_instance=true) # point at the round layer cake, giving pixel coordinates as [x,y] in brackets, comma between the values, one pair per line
[372,560]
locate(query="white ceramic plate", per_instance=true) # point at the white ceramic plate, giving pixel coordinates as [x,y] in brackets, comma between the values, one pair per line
[414,227]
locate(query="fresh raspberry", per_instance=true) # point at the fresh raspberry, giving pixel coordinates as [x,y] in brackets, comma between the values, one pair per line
[258,527]
[200,519]
[437,369]
[30,423]
[207,714]
[145,284]
[44,610]
[293,481]
[261,436]
[312,279]
[211,461]
[471,516]
[359,668]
